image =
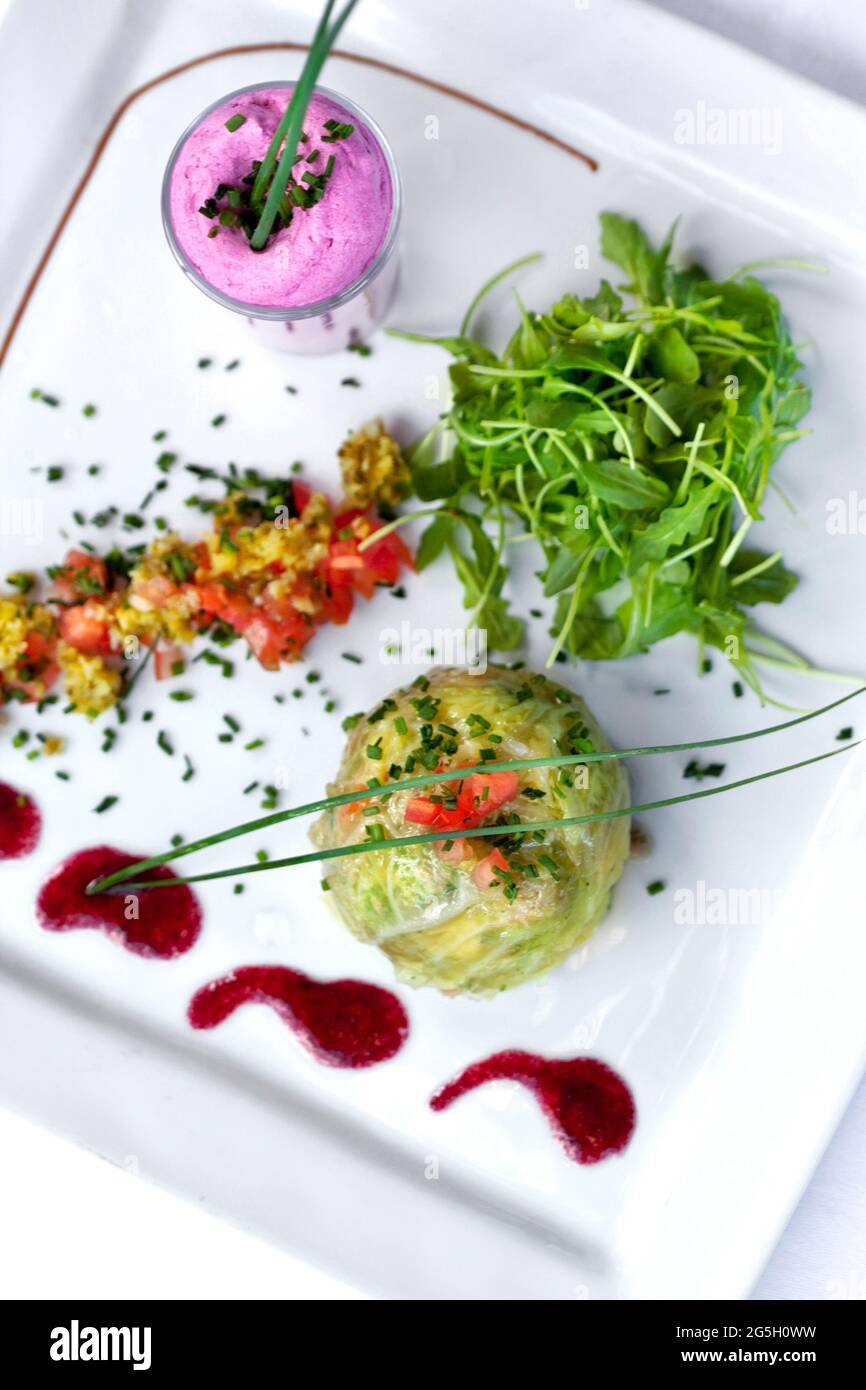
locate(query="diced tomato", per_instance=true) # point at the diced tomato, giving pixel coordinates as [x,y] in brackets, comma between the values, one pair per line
[387,557]
[337,607]
[379,563]
[422,811]
[455,853]
[34,689]
[37,648]
[265,641]
[211,597]
[302,492]
[228,605]
[351,808]
[155,591]
[85,628]
[165,658]
[80,575]
[480,794]
[486,792]
[347,569]
[484,874]
[296,633]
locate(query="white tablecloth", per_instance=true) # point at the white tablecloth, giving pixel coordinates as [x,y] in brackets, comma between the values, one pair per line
[71,1225]
[823,1252]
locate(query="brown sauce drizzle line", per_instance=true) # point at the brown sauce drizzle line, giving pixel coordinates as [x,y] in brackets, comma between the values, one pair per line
[134,95]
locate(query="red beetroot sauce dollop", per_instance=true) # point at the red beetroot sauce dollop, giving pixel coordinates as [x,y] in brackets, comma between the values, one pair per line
[590,1108]
[343,1023]
[20,823]
[160,924]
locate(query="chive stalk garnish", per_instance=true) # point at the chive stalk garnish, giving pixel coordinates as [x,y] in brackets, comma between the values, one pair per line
[291,127]
[521,828]
[381,789]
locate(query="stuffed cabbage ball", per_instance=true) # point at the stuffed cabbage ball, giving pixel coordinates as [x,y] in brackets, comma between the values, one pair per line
[475,915]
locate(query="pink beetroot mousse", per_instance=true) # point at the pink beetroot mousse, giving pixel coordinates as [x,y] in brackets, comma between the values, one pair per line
[326,248]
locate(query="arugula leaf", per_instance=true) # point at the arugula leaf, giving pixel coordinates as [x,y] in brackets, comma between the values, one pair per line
[629,442]
[634,489]
[772,585]
[671,529]
[624,243]
[562,571]
[434,540]
[671,356]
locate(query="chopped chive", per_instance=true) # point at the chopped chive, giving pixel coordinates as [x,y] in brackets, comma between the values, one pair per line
[105,804]
[218,420]
[658,885]
[844,734]
[164,743]
[699,771]
[235,122]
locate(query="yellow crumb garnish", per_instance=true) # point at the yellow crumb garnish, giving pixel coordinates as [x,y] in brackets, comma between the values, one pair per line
[89,682]
[14,627]
[374,470]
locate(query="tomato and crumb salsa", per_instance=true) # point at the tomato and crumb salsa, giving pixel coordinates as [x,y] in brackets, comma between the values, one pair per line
[272,569]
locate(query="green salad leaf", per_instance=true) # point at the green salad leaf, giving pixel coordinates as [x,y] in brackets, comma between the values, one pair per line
[634,442]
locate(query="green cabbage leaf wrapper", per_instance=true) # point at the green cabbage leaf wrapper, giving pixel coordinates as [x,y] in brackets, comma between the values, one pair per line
[428,916]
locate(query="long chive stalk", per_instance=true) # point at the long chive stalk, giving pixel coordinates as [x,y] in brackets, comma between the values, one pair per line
[269,163]
[291,126]
[431,778]
[491,284]
[524,828]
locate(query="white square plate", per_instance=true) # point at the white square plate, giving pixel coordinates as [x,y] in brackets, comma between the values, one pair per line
[741,1043]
